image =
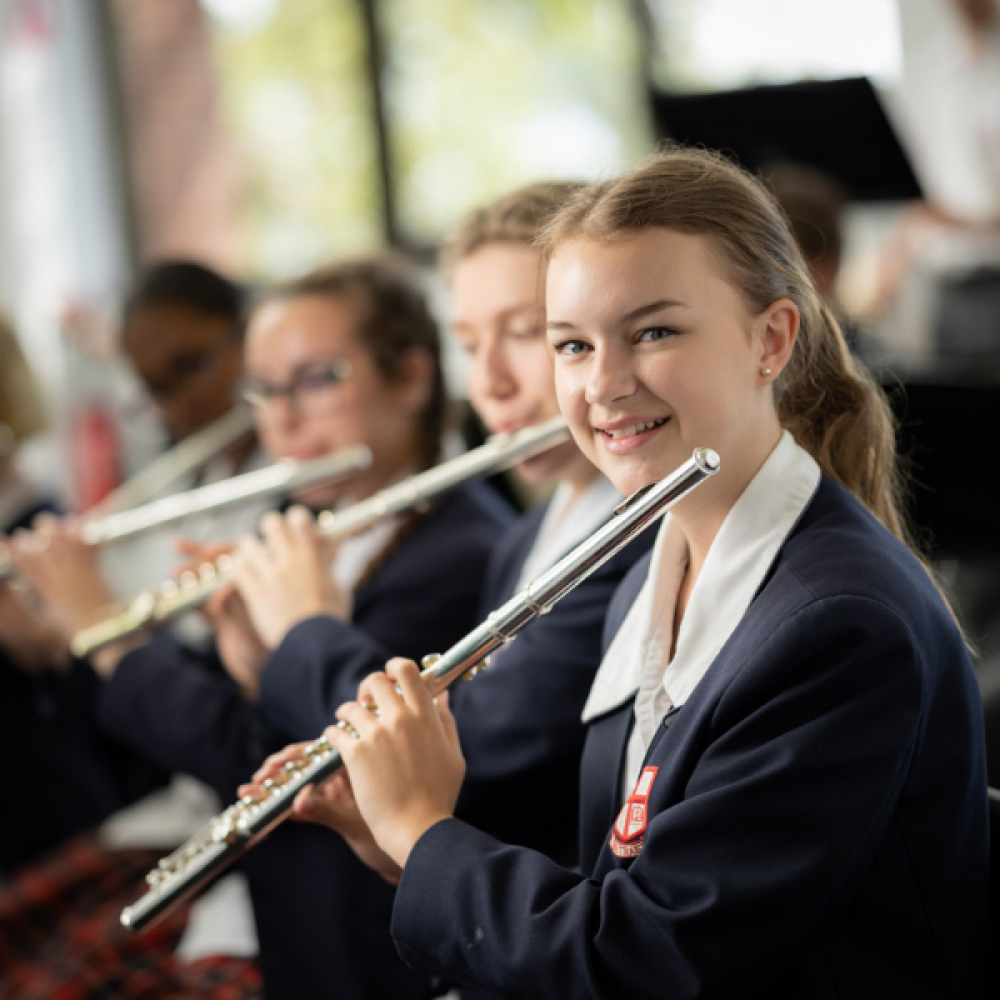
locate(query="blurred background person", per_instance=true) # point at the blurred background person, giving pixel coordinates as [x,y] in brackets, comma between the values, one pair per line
[64,777]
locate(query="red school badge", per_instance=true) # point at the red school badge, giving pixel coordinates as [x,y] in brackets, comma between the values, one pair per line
[627,835]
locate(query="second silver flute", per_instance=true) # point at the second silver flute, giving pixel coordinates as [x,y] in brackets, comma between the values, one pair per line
[241,825]
[154,608]
[282,477]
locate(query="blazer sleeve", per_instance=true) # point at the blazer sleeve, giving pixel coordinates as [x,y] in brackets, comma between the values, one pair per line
[173,708]
[422,601]
[779,821]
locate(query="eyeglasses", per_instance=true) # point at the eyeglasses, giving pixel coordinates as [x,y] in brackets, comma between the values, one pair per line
[311,391]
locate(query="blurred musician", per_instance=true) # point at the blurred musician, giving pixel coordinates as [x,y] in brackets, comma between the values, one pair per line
[65,778]
[346,355]
[182,331]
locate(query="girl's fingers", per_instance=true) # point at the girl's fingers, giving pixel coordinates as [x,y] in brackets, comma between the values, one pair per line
[217,603]
[448,719]
[305,803]
[254,561]
[275,532]
[273,764]
[361,719]
[381,690]
[301,523]
[415,693]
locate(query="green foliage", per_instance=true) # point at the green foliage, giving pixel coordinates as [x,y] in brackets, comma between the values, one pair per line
[482,95]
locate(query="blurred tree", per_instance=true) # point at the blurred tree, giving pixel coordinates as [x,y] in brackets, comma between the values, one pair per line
[480,96]
[484,95]
[296,104]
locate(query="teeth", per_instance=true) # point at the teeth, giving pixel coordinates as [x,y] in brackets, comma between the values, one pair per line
[624,432]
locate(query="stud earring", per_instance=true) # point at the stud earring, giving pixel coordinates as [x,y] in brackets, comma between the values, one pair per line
[765,372]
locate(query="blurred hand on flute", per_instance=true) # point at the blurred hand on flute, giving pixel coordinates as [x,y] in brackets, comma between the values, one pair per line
[30,637]
[286,578]
[241,650]
[63,570]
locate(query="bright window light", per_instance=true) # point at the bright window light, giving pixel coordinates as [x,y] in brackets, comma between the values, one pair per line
[723,44]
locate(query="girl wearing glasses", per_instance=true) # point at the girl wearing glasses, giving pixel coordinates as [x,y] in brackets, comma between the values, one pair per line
[784,789]
[347,355]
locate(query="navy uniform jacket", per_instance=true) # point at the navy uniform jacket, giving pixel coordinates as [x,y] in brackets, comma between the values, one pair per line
[63,776]
[817,827]
[322,917]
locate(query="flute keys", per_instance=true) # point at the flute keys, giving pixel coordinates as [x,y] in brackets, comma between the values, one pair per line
[188,580]
[226,563]
[207,572]
[476,668]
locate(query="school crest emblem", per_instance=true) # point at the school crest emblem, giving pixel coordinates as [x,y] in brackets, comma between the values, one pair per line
[628,834]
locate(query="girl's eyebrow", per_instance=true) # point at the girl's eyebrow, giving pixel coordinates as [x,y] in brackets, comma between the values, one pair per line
[629,317]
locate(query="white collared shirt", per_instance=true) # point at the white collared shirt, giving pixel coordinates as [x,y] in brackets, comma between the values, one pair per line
[638,660]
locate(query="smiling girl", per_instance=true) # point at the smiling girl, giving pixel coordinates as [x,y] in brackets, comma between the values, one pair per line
[784,781]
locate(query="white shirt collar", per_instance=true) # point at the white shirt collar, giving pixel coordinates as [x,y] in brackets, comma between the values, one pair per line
[740,557]
[569,519]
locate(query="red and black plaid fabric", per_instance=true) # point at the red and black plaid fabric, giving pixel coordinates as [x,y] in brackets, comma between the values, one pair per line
[60,937]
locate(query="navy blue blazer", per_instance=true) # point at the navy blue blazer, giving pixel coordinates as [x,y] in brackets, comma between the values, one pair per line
[322,917]
[817,824]
[64,775]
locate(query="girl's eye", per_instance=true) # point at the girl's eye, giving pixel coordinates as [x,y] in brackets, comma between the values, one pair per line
[525,332]
[571,348]
[654,333]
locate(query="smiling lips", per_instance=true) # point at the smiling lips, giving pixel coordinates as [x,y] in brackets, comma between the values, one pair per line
[633,430]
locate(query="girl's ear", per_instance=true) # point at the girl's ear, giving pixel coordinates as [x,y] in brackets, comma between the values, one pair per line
[778,326]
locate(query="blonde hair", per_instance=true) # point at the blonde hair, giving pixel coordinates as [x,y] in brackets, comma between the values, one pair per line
[516,218]
[22,408]
[824,397]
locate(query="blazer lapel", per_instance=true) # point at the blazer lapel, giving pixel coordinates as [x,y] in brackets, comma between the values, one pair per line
[600,780]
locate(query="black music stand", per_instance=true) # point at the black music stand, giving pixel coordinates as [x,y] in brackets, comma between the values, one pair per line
[836,126]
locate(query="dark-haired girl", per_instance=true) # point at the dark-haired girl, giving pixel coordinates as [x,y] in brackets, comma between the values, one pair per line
[784,788]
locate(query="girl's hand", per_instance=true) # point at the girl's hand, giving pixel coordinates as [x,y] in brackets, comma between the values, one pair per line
[332,805]
[405,765]
[240,647]
[64,572]
[30,638]
[287,579]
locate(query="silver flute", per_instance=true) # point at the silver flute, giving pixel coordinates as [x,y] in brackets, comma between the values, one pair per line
[181,460]
[282,477]
[157,607]
[243,824]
